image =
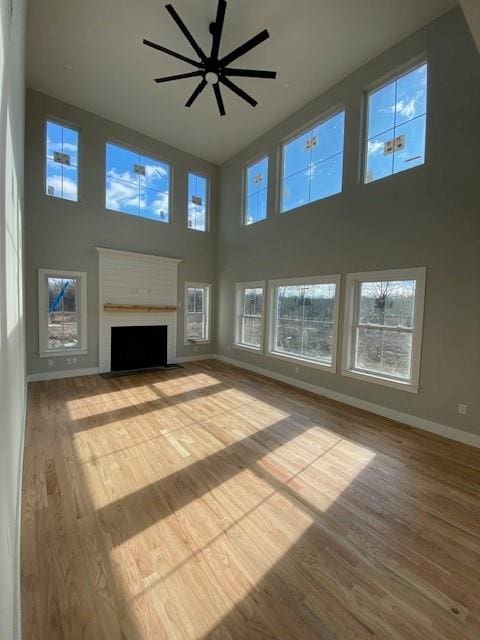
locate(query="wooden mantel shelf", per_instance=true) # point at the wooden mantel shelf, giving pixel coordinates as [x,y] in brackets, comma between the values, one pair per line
[139,308]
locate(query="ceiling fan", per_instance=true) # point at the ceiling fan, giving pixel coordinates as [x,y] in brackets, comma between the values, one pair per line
[212,69]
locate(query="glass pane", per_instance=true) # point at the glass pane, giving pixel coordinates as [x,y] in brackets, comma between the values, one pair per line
[196,326]
[317,340]
[296,191]
[54,139]
[329,136]
[121,163]
[199,300]
[326,178]
[384,351]
[122,196]
[290,302]
[70,145]
[388,303]
[154,205]
[252,302]
[289,336]
[251,332]
[262,205]
[157,174]
[381,110]
[411,95]
[379,160]
[252,209]
[62,313]
[190,300]
[319,302]
[413,154]
[296,157]
[70,182]
[54,179]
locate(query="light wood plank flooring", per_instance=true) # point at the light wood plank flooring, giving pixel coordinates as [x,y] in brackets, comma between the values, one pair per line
[206,502]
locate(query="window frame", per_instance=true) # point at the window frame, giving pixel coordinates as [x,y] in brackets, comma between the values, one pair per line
[246,166]
[297,133]
[200,174]
[272,309]
[146,154]
[350,325]
[43,349]
[386,79]
[73,127]
[208,310]
[240,288]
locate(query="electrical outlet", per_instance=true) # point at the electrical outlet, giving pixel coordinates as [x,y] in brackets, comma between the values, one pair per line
[228,347]
[69,361]
[74,360]
[297,369]
[462,409]
[50,363]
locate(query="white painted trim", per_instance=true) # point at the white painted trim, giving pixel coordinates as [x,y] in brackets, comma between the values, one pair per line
[405,418]
[82,312]
[272,311]
[129,254]
[239,290]
[56,375]
[188,342]
[418,274]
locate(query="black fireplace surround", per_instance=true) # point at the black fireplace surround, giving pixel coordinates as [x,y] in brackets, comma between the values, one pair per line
[136,348]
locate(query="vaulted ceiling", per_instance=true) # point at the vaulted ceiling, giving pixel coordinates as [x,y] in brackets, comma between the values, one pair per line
[90,54]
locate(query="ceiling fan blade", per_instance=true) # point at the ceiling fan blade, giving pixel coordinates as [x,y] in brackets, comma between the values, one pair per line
[217,35]
[159,47]
[185,31]
[245,48]
[196,93]
[218,96]
[250,73]
[238,91]
[181,76]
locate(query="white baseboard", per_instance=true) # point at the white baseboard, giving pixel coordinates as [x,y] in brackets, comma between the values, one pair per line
[56,375]
[413,421]
[208,356]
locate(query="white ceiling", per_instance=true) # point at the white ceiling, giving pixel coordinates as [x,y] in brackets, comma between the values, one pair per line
[89,53]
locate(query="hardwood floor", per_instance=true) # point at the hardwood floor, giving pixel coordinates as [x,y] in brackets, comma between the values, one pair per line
[206,502]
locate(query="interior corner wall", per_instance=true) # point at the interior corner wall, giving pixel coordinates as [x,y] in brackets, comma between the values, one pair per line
[63,235]
[12,341]
[427,216]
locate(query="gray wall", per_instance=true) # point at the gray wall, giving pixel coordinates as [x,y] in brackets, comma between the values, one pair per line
[63,235]
[12,334]
[428,216]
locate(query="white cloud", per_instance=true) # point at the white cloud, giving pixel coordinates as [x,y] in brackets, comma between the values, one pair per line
[375,146]
[69,186]
[407,109]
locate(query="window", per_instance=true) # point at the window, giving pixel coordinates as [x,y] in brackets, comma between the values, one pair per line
[303,319]
[313,164]
[197,202]
[62,312]
[61,161]
[137,184]
[397,115]
[256,191]
[197,312]
[383,327]
[249,315]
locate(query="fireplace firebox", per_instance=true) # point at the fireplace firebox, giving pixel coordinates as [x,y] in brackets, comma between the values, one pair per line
[139,347]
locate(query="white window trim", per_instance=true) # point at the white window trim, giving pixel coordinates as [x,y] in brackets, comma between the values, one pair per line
[419,275]
[239,289]
[315,122]
[68,125]
[208,289]
[246,167]
[272,288]
[43,350]
[387,79]
[200,174]
[145,154]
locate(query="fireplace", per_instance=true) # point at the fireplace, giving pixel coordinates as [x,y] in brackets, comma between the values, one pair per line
[138,347]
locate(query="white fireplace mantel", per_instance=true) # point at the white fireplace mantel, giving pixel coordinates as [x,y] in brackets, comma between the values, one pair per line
[135,279]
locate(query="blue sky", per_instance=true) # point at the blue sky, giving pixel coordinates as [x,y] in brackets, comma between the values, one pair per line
[63,179]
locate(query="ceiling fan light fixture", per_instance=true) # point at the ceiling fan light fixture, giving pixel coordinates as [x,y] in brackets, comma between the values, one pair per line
[213,70]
